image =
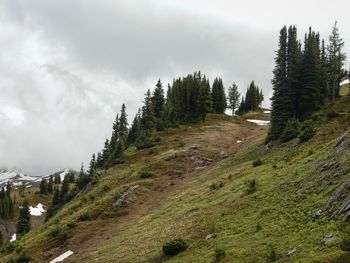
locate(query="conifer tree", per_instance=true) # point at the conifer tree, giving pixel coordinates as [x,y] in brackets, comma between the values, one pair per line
[50,185]
[204,102]
[135,129]
[158,101]
[57,179]
[123,123]
[233,97]
[64,189]
[24,220]
[336,58]
[83,179]
[92,165]
[309,93]
[99,160]
[218,96]
[281,93]
[148,119]
[43,186]
[324,77]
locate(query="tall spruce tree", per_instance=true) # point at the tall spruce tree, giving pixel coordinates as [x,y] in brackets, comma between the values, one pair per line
[158,101]
[50,185]
[233,97]
[24,219]
[204,102]
[43,186]
[218,96]
[336,58]
[309,93]
[281,94]
[135,129]
[148,120]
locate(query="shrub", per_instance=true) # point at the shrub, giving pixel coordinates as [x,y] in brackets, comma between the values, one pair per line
[272,255]
[274,166]
[291,130]
[72,224]
[174,247]
[59,234]
[84,217]
[143,142]
[216,186]
[23,258]
[258,227]
[257,162]
[332,114]
[251,184]
[219,254]
[145,174]
[307,134]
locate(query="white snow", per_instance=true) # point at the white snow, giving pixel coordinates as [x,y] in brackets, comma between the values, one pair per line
[239,141]
[13,238]
[259,122]
[37,211]
[62,257]
[64,173]
[267,111]
[344,82]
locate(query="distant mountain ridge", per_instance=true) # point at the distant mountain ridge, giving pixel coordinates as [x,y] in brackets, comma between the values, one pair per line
[16,177]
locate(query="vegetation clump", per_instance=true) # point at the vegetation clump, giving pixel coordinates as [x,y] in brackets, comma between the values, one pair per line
[174,247]
[220,254]
[251,186]
[307,133]
[257,162]
[145,174]
[291,130]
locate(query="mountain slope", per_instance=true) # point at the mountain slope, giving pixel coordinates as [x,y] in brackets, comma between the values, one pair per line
[200,186]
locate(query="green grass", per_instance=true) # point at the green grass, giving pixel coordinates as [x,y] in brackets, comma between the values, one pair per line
[289,188]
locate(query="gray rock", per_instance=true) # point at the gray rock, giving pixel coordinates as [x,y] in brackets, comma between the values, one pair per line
[123,200]
[341,139]
[223,154]
[210,235]
[328,239]
[291,252]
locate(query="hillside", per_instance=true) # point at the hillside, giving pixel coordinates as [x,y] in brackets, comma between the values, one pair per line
[200,192]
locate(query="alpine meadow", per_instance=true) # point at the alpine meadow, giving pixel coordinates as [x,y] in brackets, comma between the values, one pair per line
[174,131]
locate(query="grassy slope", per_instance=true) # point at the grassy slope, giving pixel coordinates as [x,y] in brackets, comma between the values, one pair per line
[178,201]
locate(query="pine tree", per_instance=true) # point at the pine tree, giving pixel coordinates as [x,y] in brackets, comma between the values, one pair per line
[324,77]
[24,220]
[56,198]
[92,166]
[99,160]
[148,119]
[50,185]
[57,179]
[281,93]
[43,186]
[83,179]
[336,58]
[204,102]
[123,124]
[64,189]
[218,96]
[158,101]
[309,93]
[233,97]
[105,153]
[135,129]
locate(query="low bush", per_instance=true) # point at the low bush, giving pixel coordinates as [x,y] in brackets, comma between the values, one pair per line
[219,254]
[145,174]
[23,258]
[84,217]
[174,247]
[307,134]
[251,186]
[332,114]
[291,130]
[257,162]
[59,234]
[72,224]
[216,186]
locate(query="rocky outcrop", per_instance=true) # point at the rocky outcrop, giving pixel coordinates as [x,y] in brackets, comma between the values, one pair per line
[126,197]
[339,201]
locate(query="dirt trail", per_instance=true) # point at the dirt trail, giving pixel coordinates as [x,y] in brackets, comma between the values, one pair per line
[200,149]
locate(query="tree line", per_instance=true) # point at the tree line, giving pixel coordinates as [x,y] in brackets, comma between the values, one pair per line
[306,76]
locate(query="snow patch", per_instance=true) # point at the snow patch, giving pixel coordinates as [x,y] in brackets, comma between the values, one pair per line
[267,111]
[37,211]
[344,82]
[259,122]
[13,238]
[239,141]
[62,257]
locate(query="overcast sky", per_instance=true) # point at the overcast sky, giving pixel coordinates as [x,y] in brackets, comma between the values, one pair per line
[67,66]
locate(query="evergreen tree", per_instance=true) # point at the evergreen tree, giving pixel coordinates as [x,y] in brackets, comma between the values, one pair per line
[281,94]
[233,97]
[135,129]
[56,198]
[148,119]
[24,220]
[99,160]
[105,153]
[336,58]
[309,93]
[43,186]
[57,179]
[324,77]
[83,179]
[123,123]
[50,185]
[204,102]
[92,165]
[158,101]
[64,189]
[218,96]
